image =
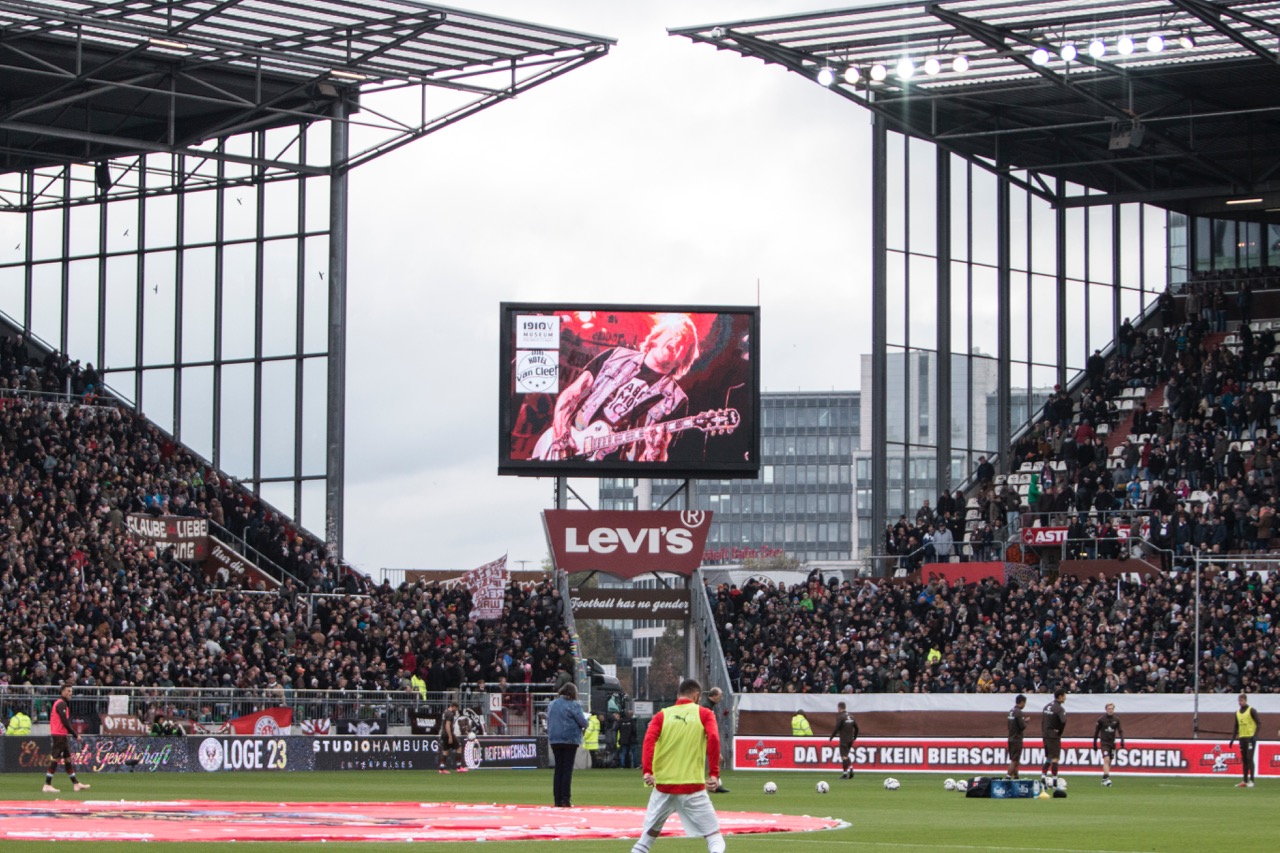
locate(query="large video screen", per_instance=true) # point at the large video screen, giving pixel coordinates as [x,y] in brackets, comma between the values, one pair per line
[629,390]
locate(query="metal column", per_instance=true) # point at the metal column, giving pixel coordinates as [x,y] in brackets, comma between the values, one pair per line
[879,331]
[1004,432]
[942,386]
[335,434]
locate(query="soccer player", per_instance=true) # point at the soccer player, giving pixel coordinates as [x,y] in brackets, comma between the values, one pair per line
[451,740]
[1053,722]
[1106,732]
[1017,728]
[679,739]
[847,730]
[60,729]
[1245,729]
[714,695]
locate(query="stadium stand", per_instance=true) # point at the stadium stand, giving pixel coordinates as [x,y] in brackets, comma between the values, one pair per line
[89,603]
[1087,635]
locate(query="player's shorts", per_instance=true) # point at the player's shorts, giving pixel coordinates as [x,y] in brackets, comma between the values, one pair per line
[845,749]
[1108,751]
[1015,750]
[60,749]
[697,815]
[1052,748]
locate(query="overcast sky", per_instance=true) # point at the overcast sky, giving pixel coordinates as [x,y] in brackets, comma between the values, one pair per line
[666,172]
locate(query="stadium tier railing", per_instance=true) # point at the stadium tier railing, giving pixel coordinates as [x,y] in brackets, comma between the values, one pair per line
[523,711]
[715,671]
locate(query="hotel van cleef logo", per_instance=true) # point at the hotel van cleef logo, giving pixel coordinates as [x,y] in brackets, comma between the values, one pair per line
[537,372]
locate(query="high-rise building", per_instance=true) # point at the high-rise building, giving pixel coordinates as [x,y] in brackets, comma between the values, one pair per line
[800,506]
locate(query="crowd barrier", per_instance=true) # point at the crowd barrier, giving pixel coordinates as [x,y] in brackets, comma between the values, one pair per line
[240,753]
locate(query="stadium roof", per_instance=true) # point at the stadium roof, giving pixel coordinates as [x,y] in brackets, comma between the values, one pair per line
[1188,127]
[87,80]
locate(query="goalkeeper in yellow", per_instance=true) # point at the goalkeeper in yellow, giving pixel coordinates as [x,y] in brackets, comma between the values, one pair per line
[679,742]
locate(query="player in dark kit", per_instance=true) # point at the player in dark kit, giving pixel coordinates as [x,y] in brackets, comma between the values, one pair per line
[1017,728]
[60,729]
[1106,732]
[1053,722]
[847,730]
[451,741]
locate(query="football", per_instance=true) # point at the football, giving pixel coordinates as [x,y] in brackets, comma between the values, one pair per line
[962,785]
[892,784]
[770,788]
[823,787]
[950,784]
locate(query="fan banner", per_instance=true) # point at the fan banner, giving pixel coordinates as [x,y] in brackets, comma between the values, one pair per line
[988,755]
[272,721]
[488,585]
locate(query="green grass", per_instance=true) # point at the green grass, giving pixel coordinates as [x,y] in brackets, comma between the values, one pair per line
[1137,814]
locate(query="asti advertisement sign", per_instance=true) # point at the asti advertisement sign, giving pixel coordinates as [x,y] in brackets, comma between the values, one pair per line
[990,755]
[627,543]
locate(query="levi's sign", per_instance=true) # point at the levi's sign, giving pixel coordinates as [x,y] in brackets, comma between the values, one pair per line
[627,544]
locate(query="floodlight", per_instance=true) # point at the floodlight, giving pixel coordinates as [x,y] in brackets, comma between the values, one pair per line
[852,74]
[1097,48]
[1186,40]
[1155,44]
[1124,46]
[932,66]
[960,64]
[826,76]
[1068,53]
[906,68]
[1040,56]
[879,72]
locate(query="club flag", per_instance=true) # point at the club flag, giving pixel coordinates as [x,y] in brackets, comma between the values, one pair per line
[487,585]
[272,721]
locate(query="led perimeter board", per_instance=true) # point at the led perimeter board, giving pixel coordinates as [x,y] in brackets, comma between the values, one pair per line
[629,390]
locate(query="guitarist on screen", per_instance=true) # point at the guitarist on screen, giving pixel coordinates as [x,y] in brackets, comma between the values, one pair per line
[627,389]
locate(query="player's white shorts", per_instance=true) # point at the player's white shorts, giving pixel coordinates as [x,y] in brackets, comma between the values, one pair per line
[696,813]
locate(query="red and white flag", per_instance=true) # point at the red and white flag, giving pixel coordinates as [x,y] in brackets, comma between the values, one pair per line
[487,584]
[318,727]
[270,722]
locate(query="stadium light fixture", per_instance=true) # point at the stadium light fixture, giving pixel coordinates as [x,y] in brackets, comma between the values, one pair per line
[1124,45]
[932,66]
[1155,44]
[826,76]
[1040,56]
[1186,40]
[852,75]
[879,72]
[347,75]
[960,64]
[1068,52]
[1244,201]
[172,45]
[1097,48]
[906,69]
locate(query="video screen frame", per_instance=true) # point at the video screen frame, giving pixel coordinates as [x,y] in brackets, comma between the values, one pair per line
[717,401]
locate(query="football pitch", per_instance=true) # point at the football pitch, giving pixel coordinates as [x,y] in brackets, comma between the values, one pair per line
[1136,814]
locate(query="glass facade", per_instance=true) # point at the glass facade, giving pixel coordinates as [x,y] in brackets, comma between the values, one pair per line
[1017,279]
[197,289]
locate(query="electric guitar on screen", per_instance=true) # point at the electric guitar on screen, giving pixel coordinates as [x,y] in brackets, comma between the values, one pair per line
[599,440]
